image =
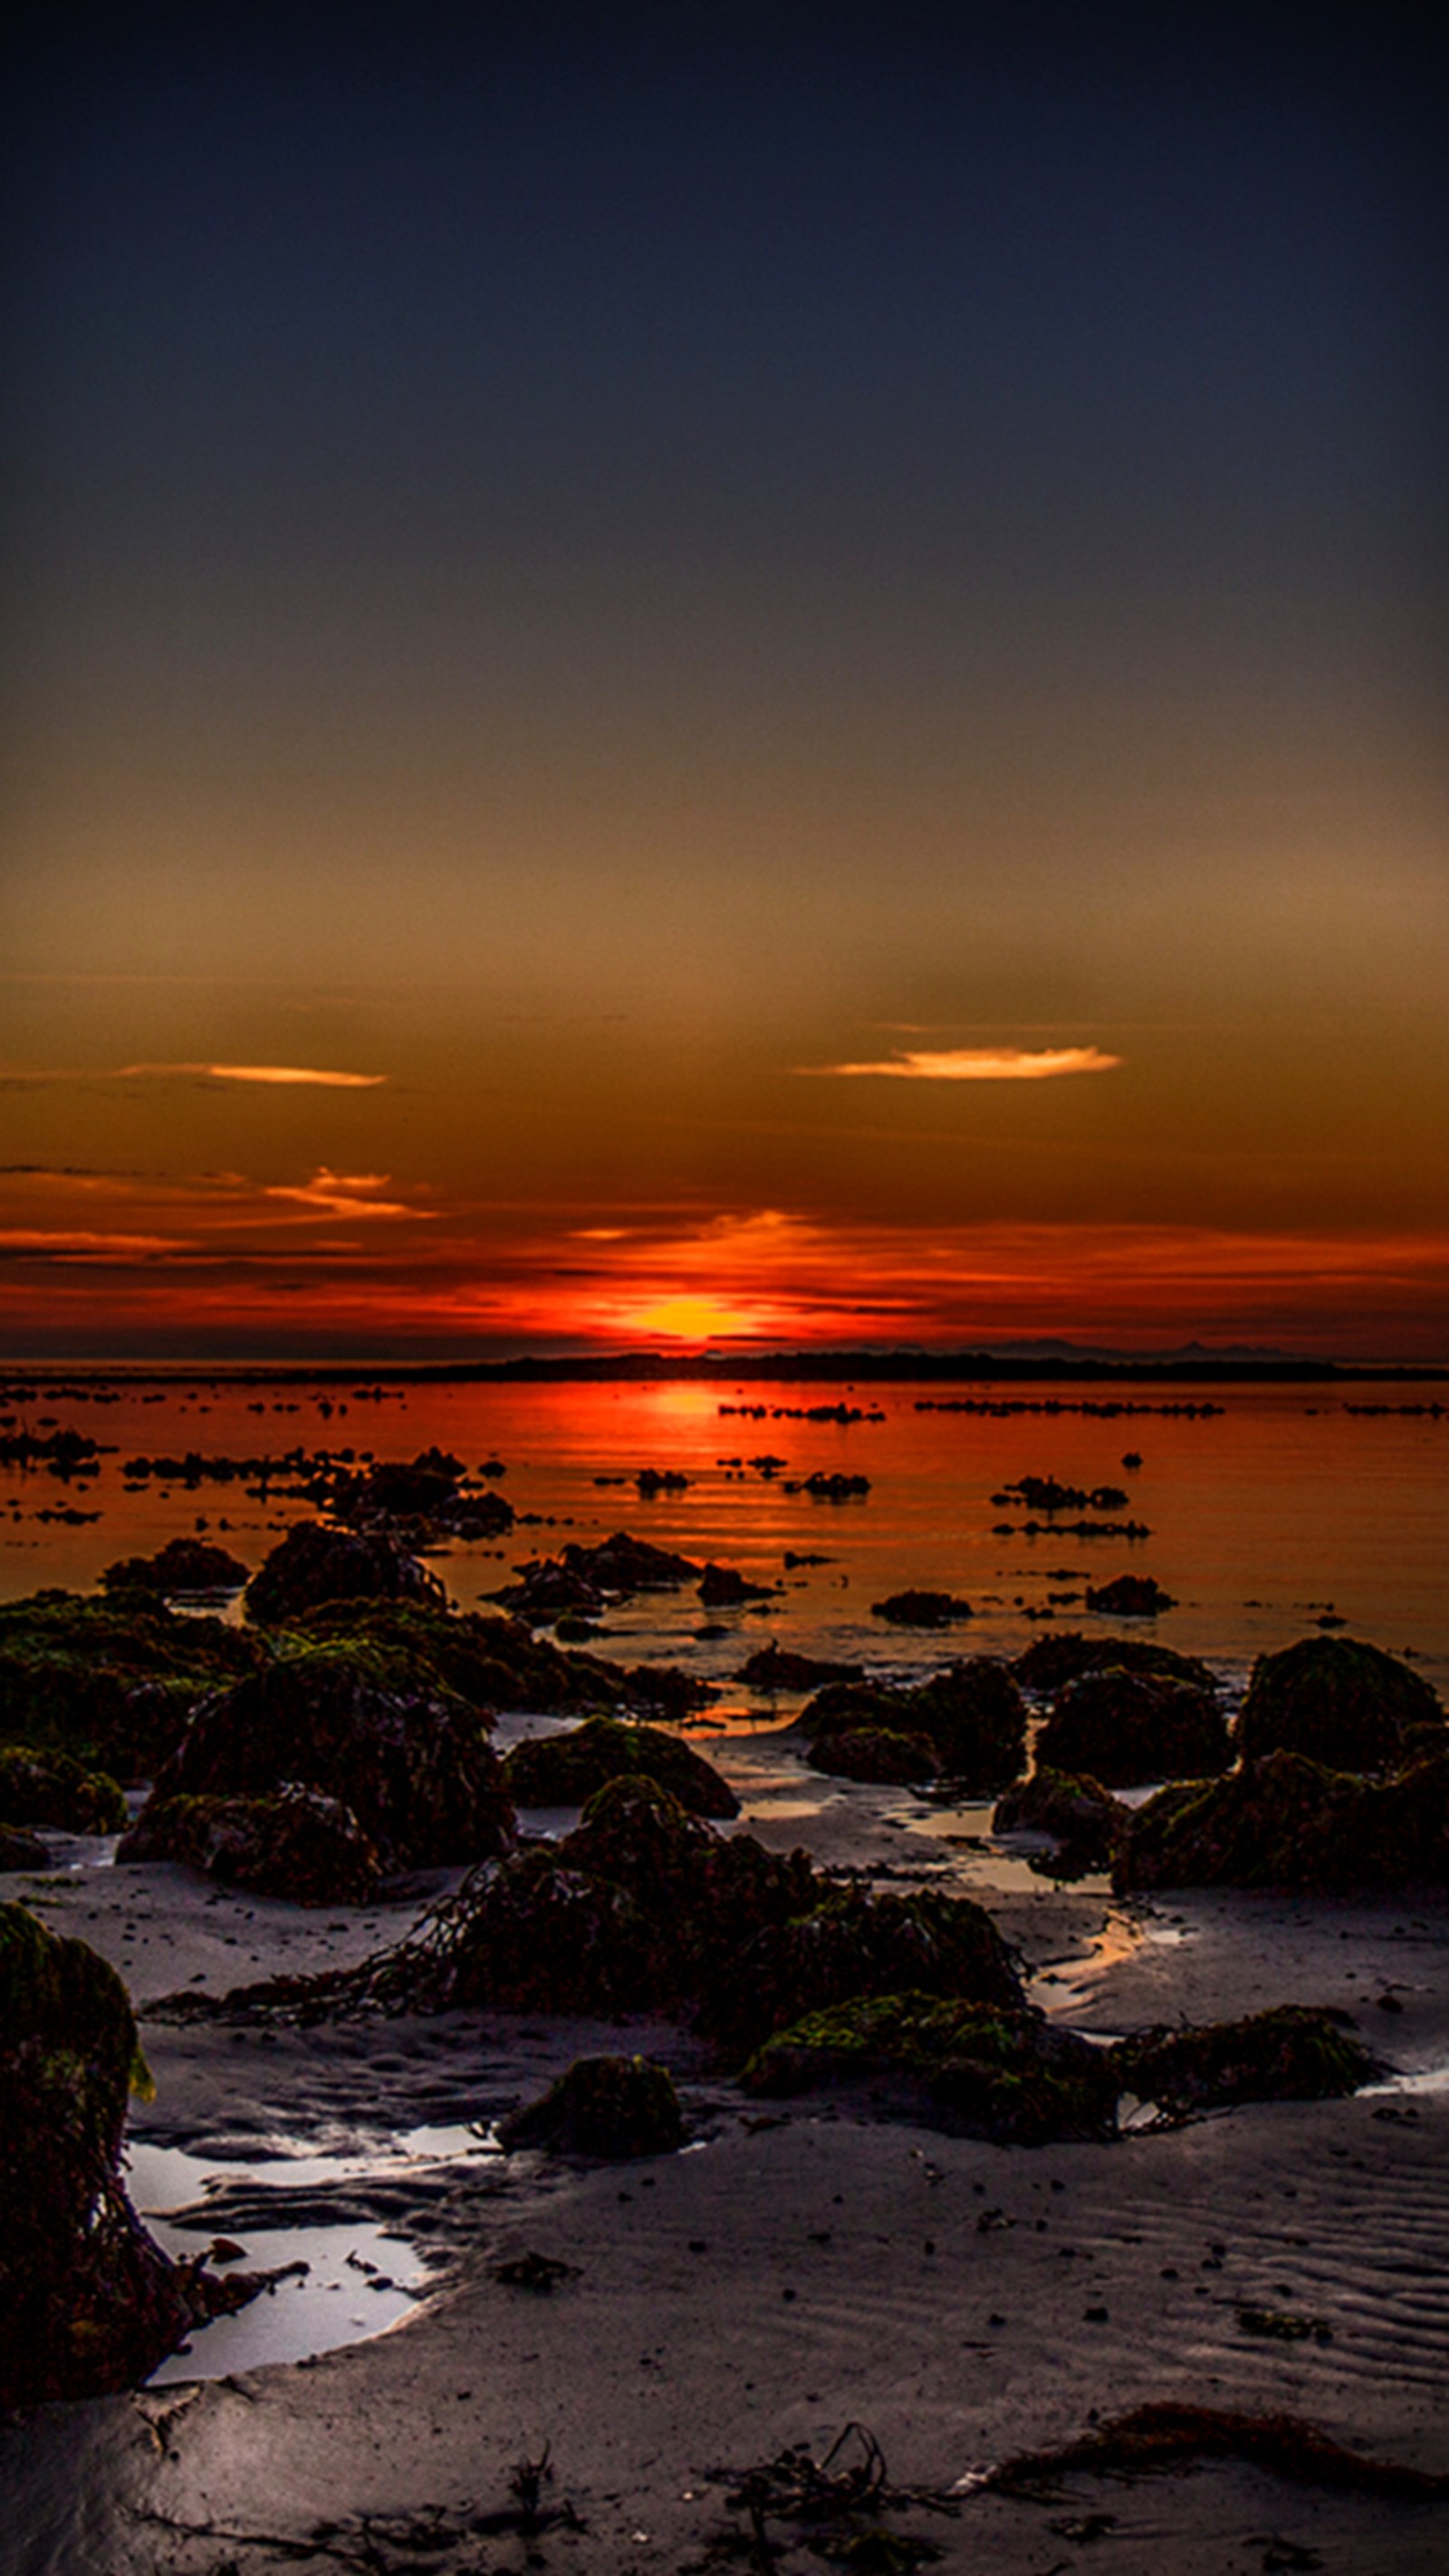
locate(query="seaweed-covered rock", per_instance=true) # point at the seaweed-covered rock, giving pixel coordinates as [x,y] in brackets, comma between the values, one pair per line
[615,2108]
[1132,1596]
[295,1843]
[853,1944]
[1083,1818]
[112,1681]
[777,1668]
[90,2302]
[971,1713]
[53,1790]
[665,1690]
[413,1763]
[1048,1662]
[419,1501]
[314,1563]
[992,2072]
[1294,2053]
[1344,1703]
[546,1590]
[879,1754]
[1285,1821]
[22,1850]
[1126,1727]
[492,1663]
[921,1609]
[565,1770]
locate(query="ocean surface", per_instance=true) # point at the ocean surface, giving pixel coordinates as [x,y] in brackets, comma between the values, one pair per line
[1267,1509]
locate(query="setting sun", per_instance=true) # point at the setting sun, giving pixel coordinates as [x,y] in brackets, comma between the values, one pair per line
[693,1319]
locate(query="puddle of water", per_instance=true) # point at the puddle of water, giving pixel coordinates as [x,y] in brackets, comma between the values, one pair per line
[359,2278]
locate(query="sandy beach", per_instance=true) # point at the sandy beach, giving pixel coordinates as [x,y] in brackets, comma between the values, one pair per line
[797,2270]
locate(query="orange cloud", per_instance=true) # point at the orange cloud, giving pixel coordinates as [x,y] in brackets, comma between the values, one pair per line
[290,1074]
[978,1064]
[342,1194]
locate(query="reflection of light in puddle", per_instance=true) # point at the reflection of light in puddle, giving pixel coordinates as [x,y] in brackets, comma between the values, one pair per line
[359,2278]
[1077,1974]
[1429,2079]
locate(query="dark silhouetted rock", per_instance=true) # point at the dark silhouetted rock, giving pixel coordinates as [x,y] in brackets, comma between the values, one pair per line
[1123,1728]
[19,1850]
[625,1564]
[565,1770]
[1285,1821]
[921,1609]
[1345,1704]
[665,1690]
[776,1668]
[90,2302]
[314,1564]
[50,1789]
[419,1502]
[546,1590]
[987,2071]
[295,1843]
[183,1565]
[413,1763]
[615,2108]
[722,1586]
[1132,1596]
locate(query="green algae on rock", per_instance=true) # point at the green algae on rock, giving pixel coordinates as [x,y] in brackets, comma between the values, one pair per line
[615,2108]
[851,1944]
[182,1565]
[1007,2075]
[1342,1702]
[1048,1662]
[885,1755]
[1286,1821]
[315,1563]
[566,1770]
[90,2301]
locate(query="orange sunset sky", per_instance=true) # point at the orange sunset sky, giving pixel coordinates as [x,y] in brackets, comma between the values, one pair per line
[690,686]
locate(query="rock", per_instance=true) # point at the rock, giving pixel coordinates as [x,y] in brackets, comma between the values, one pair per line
[19,1850]
[418,1502]
[314,1564]
[721,1586]
[546,1590]
[664,1689]
[492,1663]
[1345,1704]
[1050,1661]
[1285,1821]
[53,1790]
[183,1565]
[775,1668]
[625,1564]
[851,1944]
[110,1680]
[1291,2054]
[1007,2075]
[921,1609]
[1085,1821]
[295,1843]
[565,1770]
[615,2108]
[412,1762]
[971,1713]
[836,1488]
[91,2304]
[1132,1596]
[1124,1727]
[876,1753]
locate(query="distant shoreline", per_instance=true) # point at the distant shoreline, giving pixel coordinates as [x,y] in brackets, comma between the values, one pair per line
[715,1368]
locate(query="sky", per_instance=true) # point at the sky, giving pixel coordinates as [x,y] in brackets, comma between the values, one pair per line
[679,678]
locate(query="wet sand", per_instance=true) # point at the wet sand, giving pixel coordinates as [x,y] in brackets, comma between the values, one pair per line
[790,2274]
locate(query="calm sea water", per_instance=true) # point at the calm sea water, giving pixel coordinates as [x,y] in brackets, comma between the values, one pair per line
[1266,1510]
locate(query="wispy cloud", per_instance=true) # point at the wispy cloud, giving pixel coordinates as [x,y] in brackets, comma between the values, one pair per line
[346,1194]
[285,1074]
[978,1064]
